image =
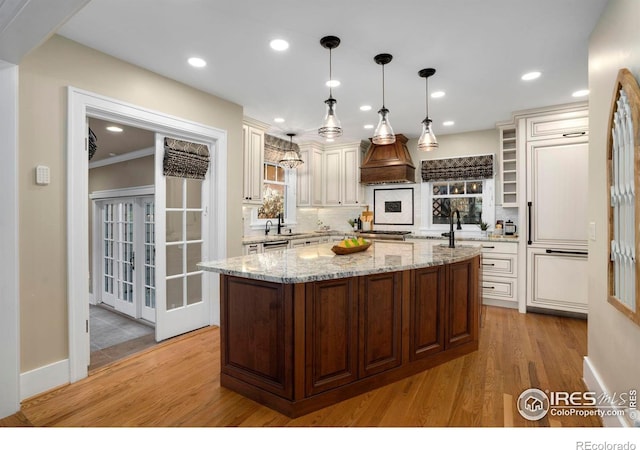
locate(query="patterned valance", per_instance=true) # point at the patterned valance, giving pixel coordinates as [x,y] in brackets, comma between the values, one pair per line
[185,159]
[464,168]
[274,148]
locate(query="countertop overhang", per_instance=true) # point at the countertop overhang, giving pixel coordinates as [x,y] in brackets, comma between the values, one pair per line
[318,262]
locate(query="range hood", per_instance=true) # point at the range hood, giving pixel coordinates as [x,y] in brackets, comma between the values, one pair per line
[389,163]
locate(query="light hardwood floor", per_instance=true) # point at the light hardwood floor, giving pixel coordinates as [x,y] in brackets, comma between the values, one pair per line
[177,384]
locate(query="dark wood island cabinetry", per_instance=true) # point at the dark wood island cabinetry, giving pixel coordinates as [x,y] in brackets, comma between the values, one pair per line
[302,340]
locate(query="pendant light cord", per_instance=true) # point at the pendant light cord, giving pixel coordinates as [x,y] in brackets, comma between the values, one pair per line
[426,101]
[382,86]
[330,79]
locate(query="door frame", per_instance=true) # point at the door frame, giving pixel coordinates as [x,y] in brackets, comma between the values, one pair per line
[9,244]
[83,104]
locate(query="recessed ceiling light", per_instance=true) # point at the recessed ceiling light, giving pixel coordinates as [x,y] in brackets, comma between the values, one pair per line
[531,76]
[448,123]
[368,126]
[278,120]
[197,62]
[332,83]
[437,94]
[330,139]
[365,108]
[114,129]
[581,93]
[113,154]
[279,45]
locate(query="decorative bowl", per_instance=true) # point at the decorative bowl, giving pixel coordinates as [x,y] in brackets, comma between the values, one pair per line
[348,250]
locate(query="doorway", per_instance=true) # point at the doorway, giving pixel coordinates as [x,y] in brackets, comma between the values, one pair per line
[173,318]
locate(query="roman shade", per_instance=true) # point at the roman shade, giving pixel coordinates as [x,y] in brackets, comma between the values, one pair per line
[185,159]
[454,169]
[274,148]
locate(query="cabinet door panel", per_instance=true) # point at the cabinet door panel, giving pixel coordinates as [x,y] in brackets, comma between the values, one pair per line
[331,334]
[463,301]
[351,176]
[380,319]
[558,186]
[332,173]
[426,329]
[256,341]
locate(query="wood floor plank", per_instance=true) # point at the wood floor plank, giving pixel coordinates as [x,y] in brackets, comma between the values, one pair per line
[177,384]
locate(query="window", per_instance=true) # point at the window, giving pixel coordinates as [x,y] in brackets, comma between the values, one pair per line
[274,192]
[472,198]
[278,196]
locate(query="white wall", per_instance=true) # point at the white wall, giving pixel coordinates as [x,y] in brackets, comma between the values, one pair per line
[614,341]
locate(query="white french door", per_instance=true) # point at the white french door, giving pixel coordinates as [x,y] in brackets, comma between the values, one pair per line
[128,280]
[183,298]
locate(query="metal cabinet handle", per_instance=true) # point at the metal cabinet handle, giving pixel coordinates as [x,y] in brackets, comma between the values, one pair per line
[529,204]
[574,134]
[567,252]
[488,264]
[488,246]
[488,287]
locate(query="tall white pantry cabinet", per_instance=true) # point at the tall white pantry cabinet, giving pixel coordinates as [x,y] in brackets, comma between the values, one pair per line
[552,146]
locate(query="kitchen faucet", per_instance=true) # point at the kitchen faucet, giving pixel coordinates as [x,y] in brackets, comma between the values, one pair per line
[280,222]
[267,227]
[451,235]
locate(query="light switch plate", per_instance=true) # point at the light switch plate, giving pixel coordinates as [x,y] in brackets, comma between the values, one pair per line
[43,176]
[592,231]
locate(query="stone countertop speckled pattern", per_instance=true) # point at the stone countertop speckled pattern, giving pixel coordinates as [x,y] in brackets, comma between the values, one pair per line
[318,262]
[310,234]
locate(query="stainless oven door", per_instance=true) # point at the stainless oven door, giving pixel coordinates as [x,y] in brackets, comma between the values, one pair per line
[272,246]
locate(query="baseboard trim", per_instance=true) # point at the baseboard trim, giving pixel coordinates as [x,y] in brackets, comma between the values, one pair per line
[43,379]
[594,383]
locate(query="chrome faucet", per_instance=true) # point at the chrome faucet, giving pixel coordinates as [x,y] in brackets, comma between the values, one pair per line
[451,235]
[267,227]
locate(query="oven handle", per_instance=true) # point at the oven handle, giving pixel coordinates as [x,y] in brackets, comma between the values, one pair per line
[275,243]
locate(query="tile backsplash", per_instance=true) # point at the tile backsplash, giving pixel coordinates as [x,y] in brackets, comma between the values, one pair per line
[309,219]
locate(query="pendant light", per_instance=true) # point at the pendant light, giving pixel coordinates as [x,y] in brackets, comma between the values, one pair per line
[384,133]
[427,141]
[291,159]
[331,127]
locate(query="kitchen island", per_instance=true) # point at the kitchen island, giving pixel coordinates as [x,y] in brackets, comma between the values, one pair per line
[303,328]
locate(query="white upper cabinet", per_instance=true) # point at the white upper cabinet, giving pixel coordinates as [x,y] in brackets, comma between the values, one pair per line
[309,175]
[253,162]
[558,125]
[342,176]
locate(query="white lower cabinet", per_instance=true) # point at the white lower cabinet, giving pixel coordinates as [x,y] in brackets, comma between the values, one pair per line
[252,249]
[558,280]
[499,273]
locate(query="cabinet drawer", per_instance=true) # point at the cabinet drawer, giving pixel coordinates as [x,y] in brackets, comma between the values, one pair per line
[568,124]
[499,288]
[499,264]
[499,247]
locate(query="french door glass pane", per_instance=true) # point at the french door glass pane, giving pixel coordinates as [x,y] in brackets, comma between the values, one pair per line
[174,260]
[194,225]
[174,226]
[194,193]
[150,255]
[194,256]
[174,192]
[194,289]
[175,293]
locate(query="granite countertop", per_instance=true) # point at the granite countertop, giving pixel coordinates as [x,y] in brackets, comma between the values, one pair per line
[309,234]
[318,262]
[459,237]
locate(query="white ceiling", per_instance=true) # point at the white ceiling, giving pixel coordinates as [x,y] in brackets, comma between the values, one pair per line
[479,48]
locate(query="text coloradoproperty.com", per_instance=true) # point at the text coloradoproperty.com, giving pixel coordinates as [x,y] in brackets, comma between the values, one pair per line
[589,445]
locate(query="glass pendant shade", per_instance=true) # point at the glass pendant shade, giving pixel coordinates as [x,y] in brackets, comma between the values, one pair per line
[331,127]
[291,159]
[384,133]
[427,141]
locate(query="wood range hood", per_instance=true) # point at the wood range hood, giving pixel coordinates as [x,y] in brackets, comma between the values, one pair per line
[389,163]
